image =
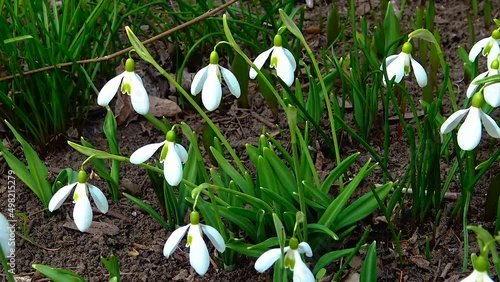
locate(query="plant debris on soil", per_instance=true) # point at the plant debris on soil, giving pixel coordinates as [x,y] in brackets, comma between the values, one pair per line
[137,239]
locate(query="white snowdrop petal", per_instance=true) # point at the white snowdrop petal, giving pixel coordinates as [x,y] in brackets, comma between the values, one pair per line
[304,248]
[310,3]
[60,196]
[172,166]
[473,86]
[267,259]
[231,81]
[82,212]
[396,69]
[139,97]
[259,62]
[301,273]
[214,237]
[291,58]
[476,276]
[4,235]
[199,80]
[420,73]
[145,152]
[469,134]
[211,94]
[476,49]
[99,199]
[174,240]
[283,67]
[109,90]
[452,121]
[388,61]
[181,152]
[490,125]
[493,54]
[198,252]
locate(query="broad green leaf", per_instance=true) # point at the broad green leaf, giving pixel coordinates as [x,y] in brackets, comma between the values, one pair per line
[328,258]
[225,166]
[113,266]
[58,274]
[313,227]
[337,172]
[369,267]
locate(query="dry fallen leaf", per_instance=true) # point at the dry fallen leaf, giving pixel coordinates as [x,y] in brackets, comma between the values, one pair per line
[160,107]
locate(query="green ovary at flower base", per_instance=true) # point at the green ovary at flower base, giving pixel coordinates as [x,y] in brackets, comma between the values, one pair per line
[293,261]
[131,84]
[4,235]
[491,91]
[172,156]
[82,212]
[198,252]
[208,82]
[281,59]
[470,132]
[489,45]
[480,273]
[398,66]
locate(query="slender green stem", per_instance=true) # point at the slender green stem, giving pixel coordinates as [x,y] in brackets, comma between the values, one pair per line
[470,172]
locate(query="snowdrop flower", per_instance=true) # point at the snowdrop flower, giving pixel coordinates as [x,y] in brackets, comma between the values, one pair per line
[470,132]
[480,273]
[198,252]
[491,91]
[82,212]
[208,82]
[293,261]
[281,59]
[310,3]
[172,156]
[399,66]
[489,45]
[5,232]
[131,84]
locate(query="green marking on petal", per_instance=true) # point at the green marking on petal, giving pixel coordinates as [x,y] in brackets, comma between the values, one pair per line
[488,47]
[75,197]
[289,260]
[189,240]
[126,88]
[130,65]
[478,100]
[164,152]
[82,177]
[407,69]
[274,61]
[407,48]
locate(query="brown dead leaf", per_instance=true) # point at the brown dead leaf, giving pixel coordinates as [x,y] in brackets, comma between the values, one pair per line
[96,228]
[133,252]
[123,108]
[160,107]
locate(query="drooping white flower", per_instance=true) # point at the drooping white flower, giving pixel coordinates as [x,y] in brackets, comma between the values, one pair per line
[310,3]
[198,252]
[172,156]
[398,66]
[281,59]
[5,232]
[82,212]
[491,91]
[489,46]
[480,273]
[131,84]
[293,261]
[208,82]
[470,132]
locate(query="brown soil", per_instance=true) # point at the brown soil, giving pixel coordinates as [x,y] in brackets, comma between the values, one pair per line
[139,241]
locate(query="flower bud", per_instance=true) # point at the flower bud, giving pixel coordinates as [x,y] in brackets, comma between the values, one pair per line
[82,177]
[130,65]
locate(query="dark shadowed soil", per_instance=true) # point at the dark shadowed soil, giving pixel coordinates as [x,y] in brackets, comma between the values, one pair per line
[137,239]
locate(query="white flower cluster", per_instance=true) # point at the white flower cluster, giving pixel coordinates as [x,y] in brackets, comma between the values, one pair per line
[470,132]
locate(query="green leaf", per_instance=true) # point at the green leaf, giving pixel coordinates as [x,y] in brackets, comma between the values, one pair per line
[337,172]
[328,258]
[369,267]
[113,266]
[58,274]
[362,207]
[225,166]
[291,26]
[313,227]
[17,38]
[337,205]
[99,154]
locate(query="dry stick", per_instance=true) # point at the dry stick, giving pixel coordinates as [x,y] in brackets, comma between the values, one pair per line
[207,14]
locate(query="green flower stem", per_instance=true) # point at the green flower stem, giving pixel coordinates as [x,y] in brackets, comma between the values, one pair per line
[298,178]
[295,31]
[469,178]
[156,123]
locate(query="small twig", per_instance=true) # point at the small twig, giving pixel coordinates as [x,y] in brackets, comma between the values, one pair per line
[207,14]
